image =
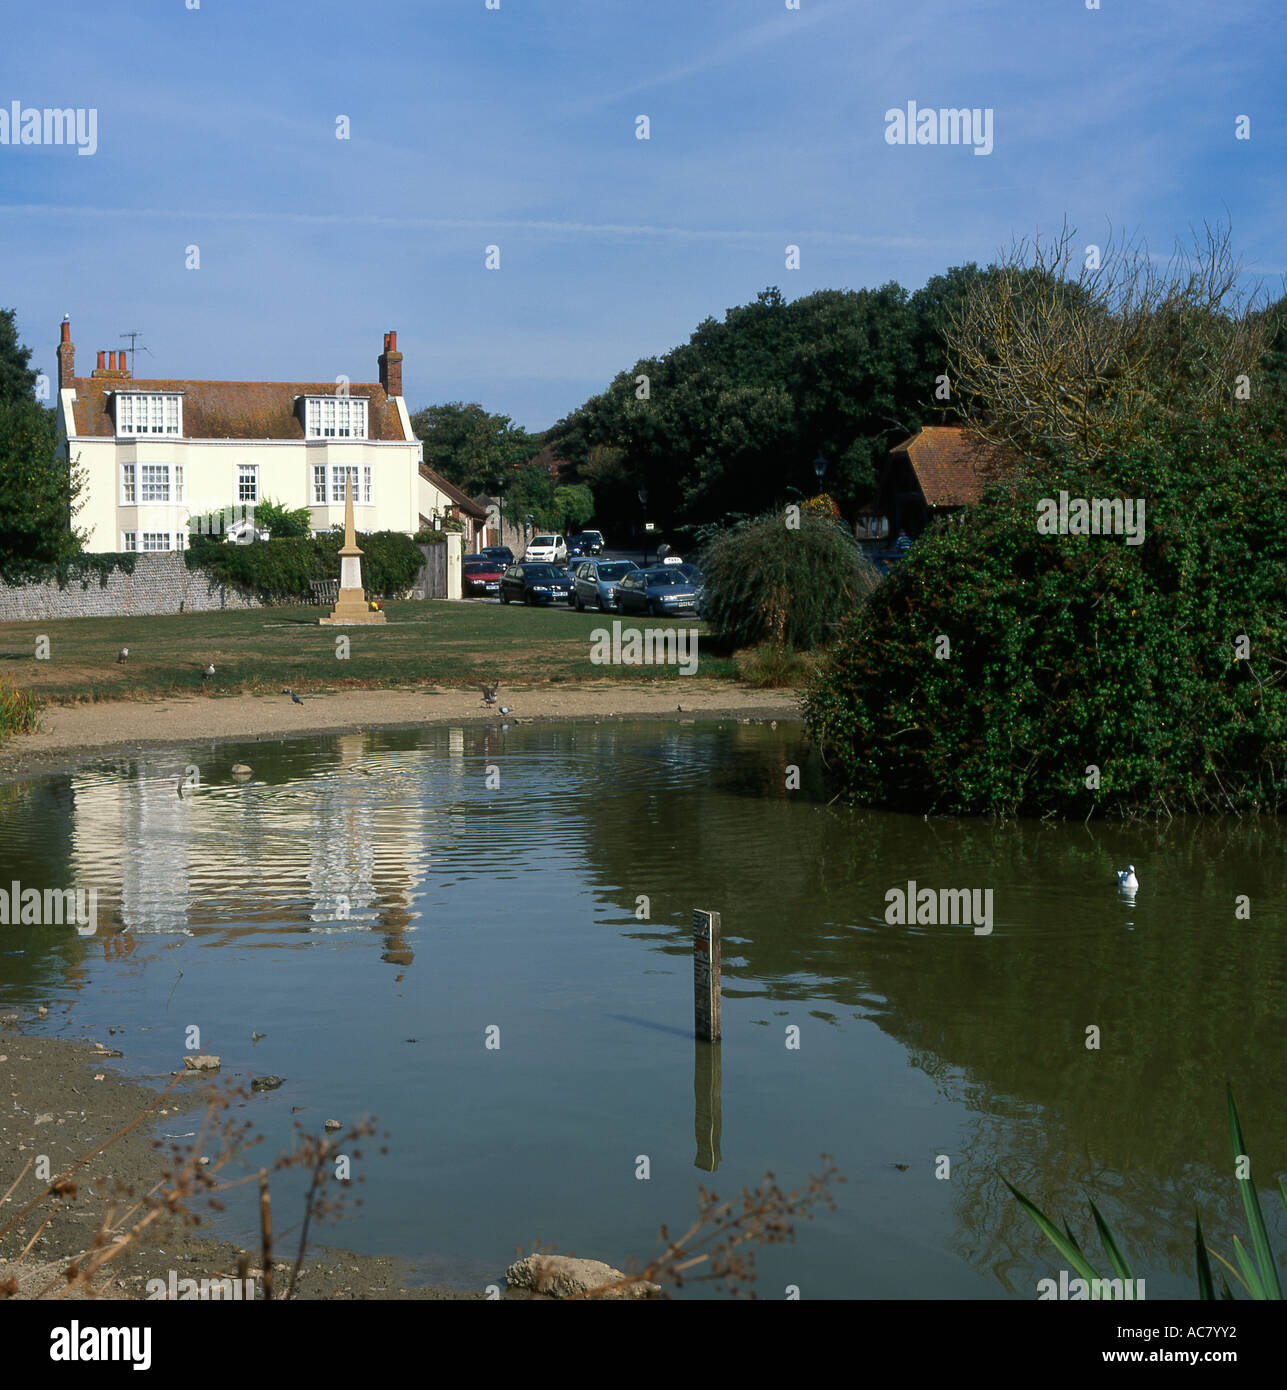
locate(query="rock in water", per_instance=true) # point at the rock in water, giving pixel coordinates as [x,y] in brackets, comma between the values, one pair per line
[266,1083]
[564,1275]
[202,1063]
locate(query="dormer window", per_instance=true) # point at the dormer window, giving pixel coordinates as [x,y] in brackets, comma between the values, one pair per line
[149,412]
[335,417]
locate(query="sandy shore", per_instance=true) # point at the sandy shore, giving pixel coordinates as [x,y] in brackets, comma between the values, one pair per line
[72,733]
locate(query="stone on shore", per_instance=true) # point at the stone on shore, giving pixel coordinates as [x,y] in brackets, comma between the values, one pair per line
[202,1063]
[564,1275]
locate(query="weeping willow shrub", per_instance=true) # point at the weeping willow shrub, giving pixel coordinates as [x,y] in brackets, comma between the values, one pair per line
[768,582]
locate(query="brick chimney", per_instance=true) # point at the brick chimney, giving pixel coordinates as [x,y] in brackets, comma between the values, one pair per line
[390,363]
[66,358]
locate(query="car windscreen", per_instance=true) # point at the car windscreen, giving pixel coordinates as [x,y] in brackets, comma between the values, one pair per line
[542,540]
[659,579]
[617,571]
[542,572]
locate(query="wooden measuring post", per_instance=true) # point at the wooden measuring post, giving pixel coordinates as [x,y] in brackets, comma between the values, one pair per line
[706,976]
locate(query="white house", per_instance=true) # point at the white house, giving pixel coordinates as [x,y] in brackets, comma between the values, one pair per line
[155,452]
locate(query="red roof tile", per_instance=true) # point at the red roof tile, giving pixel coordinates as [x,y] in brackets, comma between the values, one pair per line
[232,409]
[950,464]
[461,499]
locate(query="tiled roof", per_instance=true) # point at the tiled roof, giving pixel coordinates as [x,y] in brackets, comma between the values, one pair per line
[232,409]
[949,464]
[461,499]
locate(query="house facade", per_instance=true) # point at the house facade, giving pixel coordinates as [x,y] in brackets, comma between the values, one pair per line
[158,452]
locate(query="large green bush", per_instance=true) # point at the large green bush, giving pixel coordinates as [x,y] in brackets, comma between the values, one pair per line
[1066,654]
[282,569]
[767,581]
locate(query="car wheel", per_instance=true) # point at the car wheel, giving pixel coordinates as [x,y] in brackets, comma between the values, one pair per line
[580,607]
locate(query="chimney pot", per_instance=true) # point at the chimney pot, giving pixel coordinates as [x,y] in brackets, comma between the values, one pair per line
[102,361]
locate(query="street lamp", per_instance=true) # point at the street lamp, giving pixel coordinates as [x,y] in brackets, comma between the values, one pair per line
[820,467]
[643,502]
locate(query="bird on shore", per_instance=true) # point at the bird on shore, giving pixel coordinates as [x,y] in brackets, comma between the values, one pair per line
[291,693]
[507,709]
[208,672]
[489,692]
[123,654]
[1126,877]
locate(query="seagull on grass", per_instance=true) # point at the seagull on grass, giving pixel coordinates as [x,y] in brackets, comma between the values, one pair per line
[208,673]
[291,693]
[123,654]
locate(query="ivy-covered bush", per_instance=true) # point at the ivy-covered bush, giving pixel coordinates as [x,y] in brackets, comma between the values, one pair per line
[767,581]
[84,568]
[1000,669]
[282,569]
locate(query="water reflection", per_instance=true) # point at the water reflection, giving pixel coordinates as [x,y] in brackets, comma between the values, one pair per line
[520,905]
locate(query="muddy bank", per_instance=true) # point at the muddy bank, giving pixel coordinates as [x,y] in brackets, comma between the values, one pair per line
[60,1100]
[71,734]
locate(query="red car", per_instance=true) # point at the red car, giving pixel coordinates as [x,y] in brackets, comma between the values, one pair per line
[482,577]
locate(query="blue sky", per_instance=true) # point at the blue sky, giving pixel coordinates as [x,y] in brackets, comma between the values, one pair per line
[517,127]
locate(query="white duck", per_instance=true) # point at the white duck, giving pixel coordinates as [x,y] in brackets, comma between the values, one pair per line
[1126,877]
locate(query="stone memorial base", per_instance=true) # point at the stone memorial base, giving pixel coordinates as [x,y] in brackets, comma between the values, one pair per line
[351,607]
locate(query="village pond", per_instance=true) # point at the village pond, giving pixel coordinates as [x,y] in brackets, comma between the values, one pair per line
[381,906]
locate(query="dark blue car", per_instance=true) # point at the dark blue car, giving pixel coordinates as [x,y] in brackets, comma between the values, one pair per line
[535,582]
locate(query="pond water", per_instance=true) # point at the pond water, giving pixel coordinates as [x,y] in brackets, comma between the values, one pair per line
[556,908]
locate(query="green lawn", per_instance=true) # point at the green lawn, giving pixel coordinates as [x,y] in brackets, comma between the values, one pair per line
[264,649]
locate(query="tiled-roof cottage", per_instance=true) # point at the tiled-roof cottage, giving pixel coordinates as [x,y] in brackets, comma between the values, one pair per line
[937,471]
[157,451]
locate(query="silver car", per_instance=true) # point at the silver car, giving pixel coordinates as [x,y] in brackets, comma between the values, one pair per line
[595,583]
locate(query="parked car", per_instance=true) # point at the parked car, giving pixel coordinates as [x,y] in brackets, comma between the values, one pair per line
[548,547]
[482,576]
[690,572]
[502,554]
[660,591]
[576,549]
[593,542]
[535,584]
[595,583]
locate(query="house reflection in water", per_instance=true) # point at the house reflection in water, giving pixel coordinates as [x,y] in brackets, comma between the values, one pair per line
[342,847]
